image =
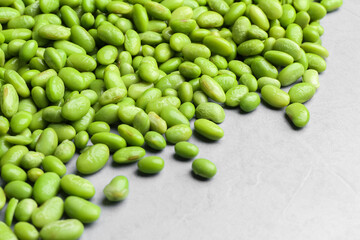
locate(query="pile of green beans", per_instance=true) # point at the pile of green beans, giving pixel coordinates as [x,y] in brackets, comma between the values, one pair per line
[70,70]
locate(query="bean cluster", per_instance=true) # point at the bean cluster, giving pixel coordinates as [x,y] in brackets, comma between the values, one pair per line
[72,70]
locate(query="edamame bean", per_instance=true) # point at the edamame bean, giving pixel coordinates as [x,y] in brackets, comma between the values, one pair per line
[47,142]
[34,173]
[291,74]
[311,76]
[9,100]
[2,198]
[6,232]
[267,80]
[24,230]
[157,123]
[117,189]
[75,185]
[151,165]
[155,140]
[131,135]
[208,129]
[212,89]
[93,159]
[54,164]
[188,110]
[250,102]
[81,209]
[274,96]
[25,209]
[113,141]
[18,189]
[70,229]
[14,155]
[11,172]
[204,168]
[186,150]
[298,114]
[301,92]
[331,5]
[178,133]
[128,154]
[316,62]
[46,187]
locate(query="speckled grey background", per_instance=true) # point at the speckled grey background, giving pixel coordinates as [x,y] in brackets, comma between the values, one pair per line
[273,182]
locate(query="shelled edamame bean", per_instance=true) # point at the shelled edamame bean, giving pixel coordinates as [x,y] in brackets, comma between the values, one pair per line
[70,70]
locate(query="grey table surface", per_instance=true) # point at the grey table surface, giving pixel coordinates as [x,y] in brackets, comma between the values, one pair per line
[273,182]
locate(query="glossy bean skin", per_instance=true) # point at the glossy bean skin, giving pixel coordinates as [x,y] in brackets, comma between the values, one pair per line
[9,100]
[131,135]
[54,164]
[301,92]
[155,140]
[2,198]
[117,189]
[234,95]
[113,141]
[178,133]
[65,151]
[93,159]
[157,124]
[70,229]
[331,5]
[128,155]
[210,111]
[25,209]
[11,172]
[298,114]
[250,102]
[47,142]
[24,230]
[291,74]
[212,89]
[75,185]
[18,189]
[81,209]
[204,168]
[311,76]
[274,96]
[208,129]
[151,165]
[6,232]
[186,150]
[46,187]
[14,155]
[50,211]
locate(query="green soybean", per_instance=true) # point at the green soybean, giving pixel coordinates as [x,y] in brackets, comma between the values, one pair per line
[274,96]
[93,159]
[208,129]
[204,168]
[75,185]
[117,189]
[10,210]
[6,232]
[18,189]
[25,209]
[151,165]
[155,140]
[81,209]
[178,133]
[46,187]
[298,114]
[24,230]
[11,172]
[70,229]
